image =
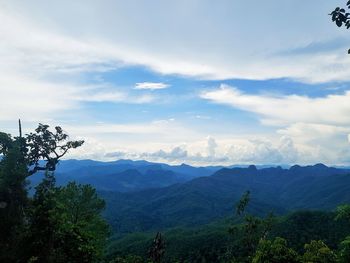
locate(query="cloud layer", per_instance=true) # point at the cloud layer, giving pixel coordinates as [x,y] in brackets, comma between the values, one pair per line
[51,52]
[317,128]
[212,41]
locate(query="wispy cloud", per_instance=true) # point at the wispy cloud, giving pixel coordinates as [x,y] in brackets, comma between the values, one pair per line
[56,45]
[151,85]
[101,95]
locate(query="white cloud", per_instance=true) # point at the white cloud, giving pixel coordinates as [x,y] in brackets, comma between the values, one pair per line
[151,85]
[31,99]
[264,151]
[325,143]
[313,129]
[41,71]
[101,35]
[239,152]
[46,48]
[284,110]
[159,141]
[98,95]
[211,147]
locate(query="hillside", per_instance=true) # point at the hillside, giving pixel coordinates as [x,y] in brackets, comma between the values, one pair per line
[211,242]
[205,199]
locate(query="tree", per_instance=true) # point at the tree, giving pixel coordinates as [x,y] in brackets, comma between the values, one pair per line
[344,251]
[67,222]
[341,18]
[250,232]
[47,146]
[318,252]
[43,223]
[13,195]
[275,251]
[84,231]
[343,212]
[21,157]
[157,249]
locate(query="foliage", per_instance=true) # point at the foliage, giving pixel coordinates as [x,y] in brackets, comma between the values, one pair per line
[242,203]
[344,251]
[48,146]
[13,195]
[57,224]
[128,259]
[275,251]
[343,212]
[301,227]
[341,18]
[66,221]
[43,222]
[83,229]
[318,252]
[252,230]
[211,243]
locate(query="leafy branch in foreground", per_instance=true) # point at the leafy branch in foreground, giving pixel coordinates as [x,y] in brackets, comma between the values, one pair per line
[341,18]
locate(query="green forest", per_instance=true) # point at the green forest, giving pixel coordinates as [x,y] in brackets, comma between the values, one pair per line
[67,223]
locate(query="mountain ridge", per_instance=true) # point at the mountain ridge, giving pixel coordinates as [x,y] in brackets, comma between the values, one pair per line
[205,199]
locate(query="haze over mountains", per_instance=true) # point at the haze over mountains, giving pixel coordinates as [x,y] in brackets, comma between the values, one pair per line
[126,175]
[144,196]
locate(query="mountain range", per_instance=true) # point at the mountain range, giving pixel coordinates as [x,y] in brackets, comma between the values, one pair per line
[206,199]
[125,175]
[145,196]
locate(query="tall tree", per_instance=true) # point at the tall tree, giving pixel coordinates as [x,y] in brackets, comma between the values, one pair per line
[43,222]
[250,231]
[157,249]
[83,231]
[67,222]
[13,195]
[21,157]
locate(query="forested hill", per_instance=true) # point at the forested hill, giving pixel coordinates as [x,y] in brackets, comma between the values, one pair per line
[205,199]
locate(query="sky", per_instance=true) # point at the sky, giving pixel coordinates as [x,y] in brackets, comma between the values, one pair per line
[188,81]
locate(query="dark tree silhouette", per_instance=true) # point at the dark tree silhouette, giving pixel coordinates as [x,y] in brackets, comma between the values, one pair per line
[157,249]
[21,157]
[341,18]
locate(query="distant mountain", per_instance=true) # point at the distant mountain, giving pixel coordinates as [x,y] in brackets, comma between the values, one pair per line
[205,199]
[125,175]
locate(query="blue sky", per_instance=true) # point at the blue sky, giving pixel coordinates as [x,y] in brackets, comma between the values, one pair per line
[199,82]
